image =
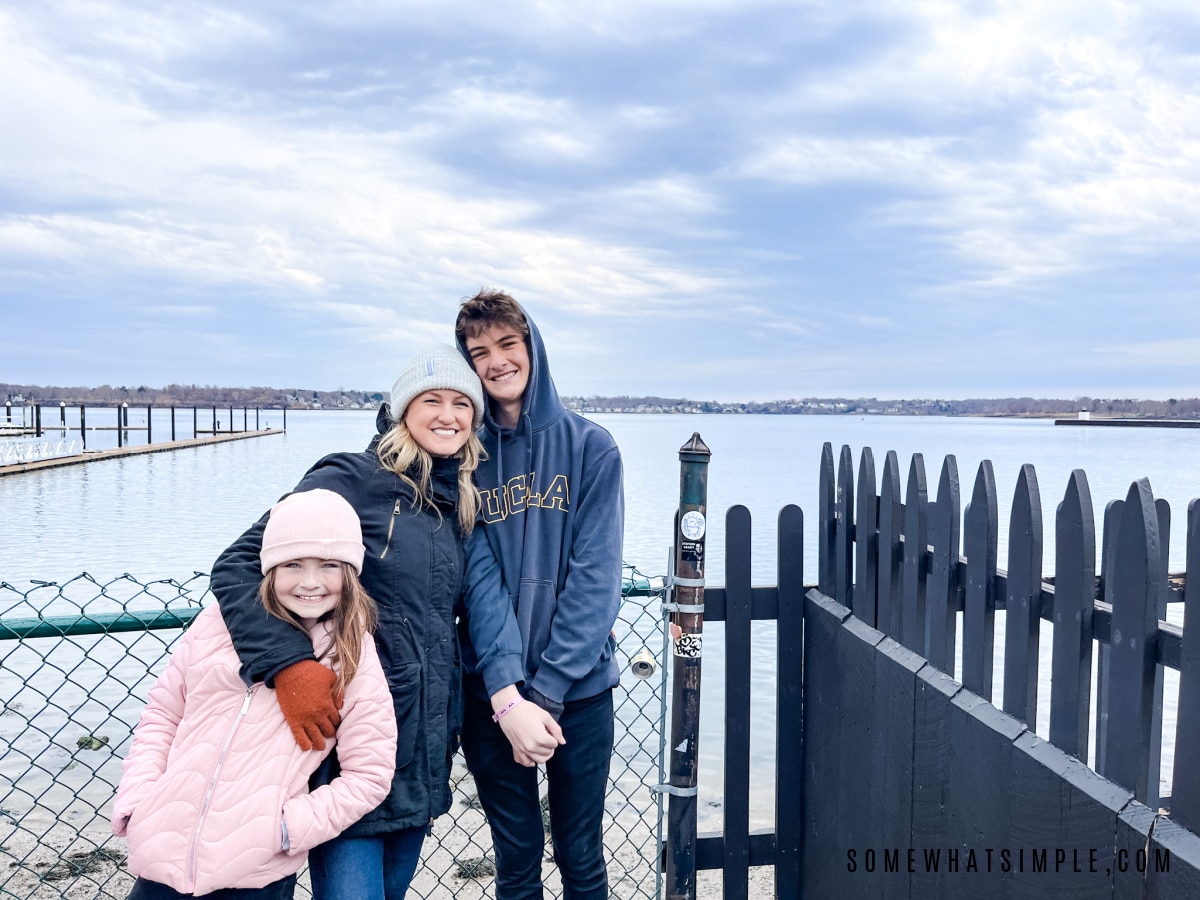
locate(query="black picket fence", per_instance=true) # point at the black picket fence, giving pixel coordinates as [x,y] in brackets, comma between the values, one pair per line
[940,766]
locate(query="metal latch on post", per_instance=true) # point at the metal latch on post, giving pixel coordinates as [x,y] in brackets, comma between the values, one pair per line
[674,791]
[683,607]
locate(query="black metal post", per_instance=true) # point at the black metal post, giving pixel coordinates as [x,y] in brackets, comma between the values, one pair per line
[149,415]
[214,420]
[245,419]
[8,411]
[686,627]
[285,417]
[125,413]
[256,428]
[83,425]
[119,431]
[195,427]
[62,414]
[37,417]
[172,423]
[231,419]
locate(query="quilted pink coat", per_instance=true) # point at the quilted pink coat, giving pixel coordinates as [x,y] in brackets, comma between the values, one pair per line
[214,780]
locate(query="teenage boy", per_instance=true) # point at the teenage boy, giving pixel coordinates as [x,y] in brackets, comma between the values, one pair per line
[553,512]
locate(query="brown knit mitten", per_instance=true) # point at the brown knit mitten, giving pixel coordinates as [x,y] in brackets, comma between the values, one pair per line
[305,694]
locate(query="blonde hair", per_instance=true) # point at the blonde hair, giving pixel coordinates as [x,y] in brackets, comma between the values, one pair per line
[354,619]
[399,452]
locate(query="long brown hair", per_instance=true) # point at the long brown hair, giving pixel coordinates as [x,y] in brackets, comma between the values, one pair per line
[399,452]
[354,619]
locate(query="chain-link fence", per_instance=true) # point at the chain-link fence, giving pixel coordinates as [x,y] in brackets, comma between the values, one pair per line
[77,660]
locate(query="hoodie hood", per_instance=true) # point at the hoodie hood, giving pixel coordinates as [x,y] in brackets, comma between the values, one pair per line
[540,406]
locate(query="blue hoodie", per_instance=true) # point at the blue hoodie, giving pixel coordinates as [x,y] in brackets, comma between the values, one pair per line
[554,514]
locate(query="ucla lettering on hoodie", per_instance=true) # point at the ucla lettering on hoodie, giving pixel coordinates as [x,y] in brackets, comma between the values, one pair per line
[521,492]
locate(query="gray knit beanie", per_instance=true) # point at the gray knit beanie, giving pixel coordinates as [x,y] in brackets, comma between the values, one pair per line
[440,367]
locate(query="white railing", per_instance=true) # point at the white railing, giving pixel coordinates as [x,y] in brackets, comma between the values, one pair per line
[23,451]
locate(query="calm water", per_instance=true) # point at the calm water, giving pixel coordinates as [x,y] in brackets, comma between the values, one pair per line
[169,515]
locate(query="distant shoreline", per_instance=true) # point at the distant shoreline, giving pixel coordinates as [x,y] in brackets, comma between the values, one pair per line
[209,397]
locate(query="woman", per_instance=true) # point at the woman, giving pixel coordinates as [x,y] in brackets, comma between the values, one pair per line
[412,491]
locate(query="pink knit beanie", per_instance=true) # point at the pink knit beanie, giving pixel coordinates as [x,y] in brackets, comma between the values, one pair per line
[316,523]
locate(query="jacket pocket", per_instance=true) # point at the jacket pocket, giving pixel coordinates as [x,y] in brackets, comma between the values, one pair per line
[405,686]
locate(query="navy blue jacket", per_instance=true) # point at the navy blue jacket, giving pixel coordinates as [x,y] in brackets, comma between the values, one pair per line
[553,511]
[415,567]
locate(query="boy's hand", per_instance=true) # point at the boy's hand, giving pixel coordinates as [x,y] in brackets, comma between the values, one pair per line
[305,694]
[533,733]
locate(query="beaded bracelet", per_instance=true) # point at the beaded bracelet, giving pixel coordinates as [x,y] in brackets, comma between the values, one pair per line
[505,710]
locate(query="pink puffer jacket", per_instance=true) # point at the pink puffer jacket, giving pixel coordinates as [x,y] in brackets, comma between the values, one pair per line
[214,778]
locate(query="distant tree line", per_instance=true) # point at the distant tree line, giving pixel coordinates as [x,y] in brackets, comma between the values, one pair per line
[297,398]
[191,395]
[1174,408]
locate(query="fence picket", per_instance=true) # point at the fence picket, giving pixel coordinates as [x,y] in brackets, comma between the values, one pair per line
[1112,522]
[826,521]
[1023,600]
[789,718]
[1074,596]
[942,586]
[916,541]
[979,612]
[866,541]
[843,575]
[737,703]
[1162,511]
[887,592]
[1185,789]
[1135,590]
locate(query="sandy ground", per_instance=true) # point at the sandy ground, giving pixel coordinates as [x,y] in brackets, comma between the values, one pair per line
[64,863]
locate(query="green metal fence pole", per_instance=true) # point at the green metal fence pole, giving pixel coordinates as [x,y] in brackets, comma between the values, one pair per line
[686,627]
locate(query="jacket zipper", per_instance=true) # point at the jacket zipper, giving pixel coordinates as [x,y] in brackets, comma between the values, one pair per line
[212,785]
[391,524]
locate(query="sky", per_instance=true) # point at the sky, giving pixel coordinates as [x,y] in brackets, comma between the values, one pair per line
[716,199]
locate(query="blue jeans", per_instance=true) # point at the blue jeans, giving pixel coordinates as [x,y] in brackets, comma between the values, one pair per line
[578,779]
[378,867]
[283,889]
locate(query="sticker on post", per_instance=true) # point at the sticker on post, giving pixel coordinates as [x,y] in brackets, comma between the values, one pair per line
[692,525]
[688,646]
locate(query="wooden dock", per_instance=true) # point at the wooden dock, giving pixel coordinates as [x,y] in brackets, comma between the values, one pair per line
[1133,423]
[93,455]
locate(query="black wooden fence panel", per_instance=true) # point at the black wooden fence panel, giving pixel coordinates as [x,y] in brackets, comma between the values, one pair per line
[880,751]
[1044,793]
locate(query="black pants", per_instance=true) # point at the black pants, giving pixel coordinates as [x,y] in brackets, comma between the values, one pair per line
[578,778]
[283,889]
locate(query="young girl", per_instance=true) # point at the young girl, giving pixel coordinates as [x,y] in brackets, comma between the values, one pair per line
[214,799]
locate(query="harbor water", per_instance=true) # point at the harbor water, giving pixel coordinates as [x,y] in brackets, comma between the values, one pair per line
[168,515]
